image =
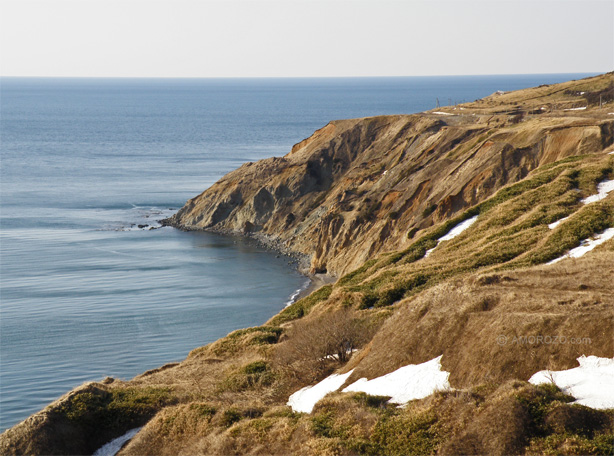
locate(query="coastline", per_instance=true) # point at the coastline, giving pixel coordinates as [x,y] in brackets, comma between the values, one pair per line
[297,260]
[316,281]
[301,262]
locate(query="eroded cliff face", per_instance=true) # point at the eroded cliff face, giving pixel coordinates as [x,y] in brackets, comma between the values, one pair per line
[357,188]
[360,187]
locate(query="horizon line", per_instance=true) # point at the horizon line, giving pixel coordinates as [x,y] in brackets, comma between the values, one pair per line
[305,77]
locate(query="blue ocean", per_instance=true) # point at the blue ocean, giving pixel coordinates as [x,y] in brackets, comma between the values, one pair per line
[90,285]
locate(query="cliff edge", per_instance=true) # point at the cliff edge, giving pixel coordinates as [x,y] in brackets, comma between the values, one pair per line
[356,188]
[474,249]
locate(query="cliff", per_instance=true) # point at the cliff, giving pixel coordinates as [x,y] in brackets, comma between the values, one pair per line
[452,233]
[356,188]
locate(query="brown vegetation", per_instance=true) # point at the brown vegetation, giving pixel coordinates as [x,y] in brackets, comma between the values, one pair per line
[357,187]
[386,190]
[313,348]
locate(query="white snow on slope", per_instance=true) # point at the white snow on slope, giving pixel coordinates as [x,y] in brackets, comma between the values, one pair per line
[592,384]
[113,447]
[575,109]
[587,245]
[305,398]
[429,251]
[441,113]
[414,381]
[458,229]
[553,225]
[603,189]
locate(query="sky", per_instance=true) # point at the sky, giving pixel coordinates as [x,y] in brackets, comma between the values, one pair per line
[304,38]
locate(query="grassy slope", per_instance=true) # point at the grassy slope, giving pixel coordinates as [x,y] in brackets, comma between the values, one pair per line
[229,396]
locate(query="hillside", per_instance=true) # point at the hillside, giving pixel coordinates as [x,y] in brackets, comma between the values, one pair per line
[356,188]
[449,234]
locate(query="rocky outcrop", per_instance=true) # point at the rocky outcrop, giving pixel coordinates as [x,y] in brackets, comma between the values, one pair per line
[357,187]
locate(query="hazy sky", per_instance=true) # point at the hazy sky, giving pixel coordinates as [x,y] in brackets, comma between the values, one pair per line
[184,38]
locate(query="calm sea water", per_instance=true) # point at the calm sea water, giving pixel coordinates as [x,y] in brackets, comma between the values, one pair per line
[85,292]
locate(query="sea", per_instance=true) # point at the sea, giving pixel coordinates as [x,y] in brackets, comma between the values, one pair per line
[90,284]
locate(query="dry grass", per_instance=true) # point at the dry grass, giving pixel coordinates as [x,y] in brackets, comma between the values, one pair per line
[315,347]
[515,418]
[488,285]
[464,318]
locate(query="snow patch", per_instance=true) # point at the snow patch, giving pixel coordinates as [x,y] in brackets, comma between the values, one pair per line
[113,447]
[458,229]
[587,245]
[441,113]
[414,381]
[306,398]
[592,383]
[553,225]
[603,189]
[575,109]
[429,251]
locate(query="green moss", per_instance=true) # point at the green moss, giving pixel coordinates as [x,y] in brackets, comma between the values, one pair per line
[117,409]
[376,402]
[377,282]
[283,412]
[252,375]
[356,275]
[411,233]
[571,444]
[322,424]
[588,221]
[589,177]
[302,306]
[230,417]
[203,410]
[407,433]
[261,425]
[525,185]
[538,402]
[557,427]
[385,291]
[257,330]
[258,335]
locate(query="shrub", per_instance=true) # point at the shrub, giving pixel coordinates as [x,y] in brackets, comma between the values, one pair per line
[407,434]
[314,346]
[116,409]
[100,415]
[230,417]
[258,335]
[377,402]
[203,410]
[252,375]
